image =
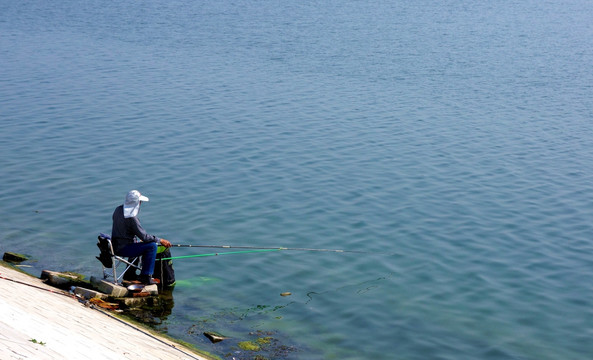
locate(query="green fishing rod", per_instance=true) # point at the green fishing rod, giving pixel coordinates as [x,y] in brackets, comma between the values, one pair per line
[271,248]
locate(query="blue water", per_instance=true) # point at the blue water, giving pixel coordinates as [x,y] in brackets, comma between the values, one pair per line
[451,139]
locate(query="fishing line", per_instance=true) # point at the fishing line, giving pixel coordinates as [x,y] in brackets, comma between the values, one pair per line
[38,287]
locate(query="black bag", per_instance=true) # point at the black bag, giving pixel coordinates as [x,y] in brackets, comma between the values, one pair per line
[105,255]
[163,269]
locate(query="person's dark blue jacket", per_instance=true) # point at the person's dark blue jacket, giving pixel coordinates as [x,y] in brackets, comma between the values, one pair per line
[125,229]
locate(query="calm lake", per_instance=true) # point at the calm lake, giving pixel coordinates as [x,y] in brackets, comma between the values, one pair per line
[450,142]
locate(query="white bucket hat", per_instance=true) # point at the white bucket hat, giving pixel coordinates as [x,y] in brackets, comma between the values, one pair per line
[132,203]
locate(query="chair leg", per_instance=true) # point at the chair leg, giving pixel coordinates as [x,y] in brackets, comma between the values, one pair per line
[113,266]
[130,271]
[129,266]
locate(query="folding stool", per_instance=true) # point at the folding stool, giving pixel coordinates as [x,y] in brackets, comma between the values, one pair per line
[109,260]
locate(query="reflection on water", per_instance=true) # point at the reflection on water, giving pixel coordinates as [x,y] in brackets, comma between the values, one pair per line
[156,309]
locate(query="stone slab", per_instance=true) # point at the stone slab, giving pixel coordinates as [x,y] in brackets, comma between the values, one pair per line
[89,294]
[109,288]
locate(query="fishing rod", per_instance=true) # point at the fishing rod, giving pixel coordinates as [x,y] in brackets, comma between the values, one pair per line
[273,248]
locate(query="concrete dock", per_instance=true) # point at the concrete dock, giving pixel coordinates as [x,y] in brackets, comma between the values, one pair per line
[38,321]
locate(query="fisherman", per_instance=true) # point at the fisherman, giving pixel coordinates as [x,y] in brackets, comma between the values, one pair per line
[126,228]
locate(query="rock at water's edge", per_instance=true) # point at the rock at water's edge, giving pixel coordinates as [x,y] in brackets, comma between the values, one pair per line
[14,257]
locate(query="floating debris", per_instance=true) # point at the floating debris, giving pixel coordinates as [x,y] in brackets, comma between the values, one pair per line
[214,337]
[287,293]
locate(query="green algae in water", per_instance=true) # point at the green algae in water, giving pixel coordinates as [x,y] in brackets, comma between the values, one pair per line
[249,346]
[195,282]
[265,340]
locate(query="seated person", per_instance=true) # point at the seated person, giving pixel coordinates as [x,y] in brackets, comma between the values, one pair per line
[126,227]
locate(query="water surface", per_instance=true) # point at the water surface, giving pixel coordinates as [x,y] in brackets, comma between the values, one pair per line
[449,139]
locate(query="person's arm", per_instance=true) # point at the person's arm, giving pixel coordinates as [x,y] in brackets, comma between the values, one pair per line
[139,231]
[145,237]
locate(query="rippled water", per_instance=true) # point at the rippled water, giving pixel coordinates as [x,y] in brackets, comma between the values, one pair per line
[452,140]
